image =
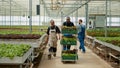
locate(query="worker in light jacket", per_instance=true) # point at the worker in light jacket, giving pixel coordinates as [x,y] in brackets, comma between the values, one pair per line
[81,35]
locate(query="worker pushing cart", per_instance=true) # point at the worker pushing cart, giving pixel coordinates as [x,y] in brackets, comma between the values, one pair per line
[67,23]
[69,39]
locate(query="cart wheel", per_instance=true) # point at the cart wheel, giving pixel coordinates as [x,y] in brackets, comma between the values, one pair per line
[74,61]
[63,61]
[49,57]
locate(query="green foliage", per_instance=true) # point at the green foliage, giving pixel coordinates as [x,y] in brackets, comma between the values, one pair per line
[64,54]
[68,40]
[22,30]
[112,32]
[69,54]
[69,30]
[12,50]
[113,40]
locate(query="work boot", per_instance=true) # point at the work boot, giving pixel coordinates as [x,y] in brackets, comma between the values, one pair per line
[54,55]
[49,56]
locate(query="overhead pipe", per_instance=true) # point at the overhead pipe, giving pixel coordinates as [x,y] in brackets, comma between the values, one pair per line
[46,8]
[63,1]
[51,4]
[77,8]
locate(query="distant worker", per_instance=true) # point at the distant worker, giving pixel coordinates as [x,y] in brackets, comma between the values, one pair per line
[90,25]
[53,33]
[68,23]
[81,35]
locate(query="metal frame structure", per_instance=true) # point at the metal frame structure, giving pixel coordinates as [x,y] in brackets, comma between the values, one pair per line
[53,8]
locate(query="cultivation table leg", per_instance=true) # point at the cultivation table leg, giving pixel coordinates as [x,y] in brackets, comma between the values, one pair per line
[109,55]
[105,53]
[119,62]
[32,55]
[20,65]
[93,44]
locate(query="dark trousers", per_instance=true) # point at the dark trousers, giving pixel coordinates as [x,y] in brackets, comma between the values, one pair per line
[66,47]
[82,44]
[53,49]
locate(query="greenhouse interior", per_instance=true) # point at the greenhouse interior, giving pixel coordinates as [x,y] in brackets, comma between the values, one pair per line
[28,38]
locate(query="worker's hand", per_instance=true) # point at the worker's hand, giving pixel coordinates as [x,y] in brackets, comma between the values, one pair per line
[58,38]
[46,41]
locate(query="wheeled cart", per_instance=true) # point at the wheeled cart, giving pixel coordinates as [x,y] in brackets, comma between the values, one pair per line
[69,40]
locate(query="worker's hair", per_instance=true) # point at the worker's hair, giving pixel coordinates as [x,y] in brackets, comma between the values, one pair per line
[67,17]
[51,20]
[80,20]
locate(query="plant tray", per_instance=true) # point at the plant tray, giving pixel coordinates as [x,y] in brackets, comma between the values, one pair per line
[16,60]
[70,57]
[69,30]
[68,43]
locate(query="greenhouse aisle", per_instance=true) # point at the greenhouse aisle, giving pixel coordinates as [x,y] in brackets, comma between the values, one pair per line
[87,60]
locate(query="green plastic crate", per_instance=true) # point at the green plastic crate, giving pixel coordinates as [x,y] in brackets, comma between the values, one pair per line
[68,43]
[70,57]
[69,32]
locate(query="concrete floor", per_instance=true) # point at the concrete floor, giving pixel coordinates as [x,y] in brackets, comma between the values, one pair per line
[87,60]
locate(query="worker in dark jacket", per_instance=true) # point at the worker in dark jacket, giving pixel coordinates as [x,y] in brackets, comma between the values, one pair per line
[67,23]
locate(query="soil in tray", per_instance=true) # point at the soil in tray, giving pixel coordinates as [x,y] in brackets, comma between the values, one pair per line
[9,66]
[20,36]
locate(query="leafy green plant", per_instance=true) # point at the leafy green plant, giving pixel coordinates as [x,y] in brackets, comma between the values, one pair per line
[13,50]
[22,30]
[113,40]
[68,40]
[69,30]
[112,32]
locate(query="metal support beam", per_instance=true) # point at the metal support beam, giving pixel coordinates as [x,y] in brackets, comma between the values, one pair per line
[72,13]
[30,15]
[77,8]
[61,17]
[26,18]
[46,8]
[61,4]
[106,18]
[110,21]
[119,16]
[10,12]
[40,12]
[20,17]
[72,16]
[76,19]
[44,15]
[60,10]
[2,14]
[86,12]
[5,16]
[65,7]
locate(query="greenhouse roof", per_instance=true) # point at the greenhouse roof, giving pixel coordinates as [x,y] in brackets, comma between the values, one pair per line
[54,8]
